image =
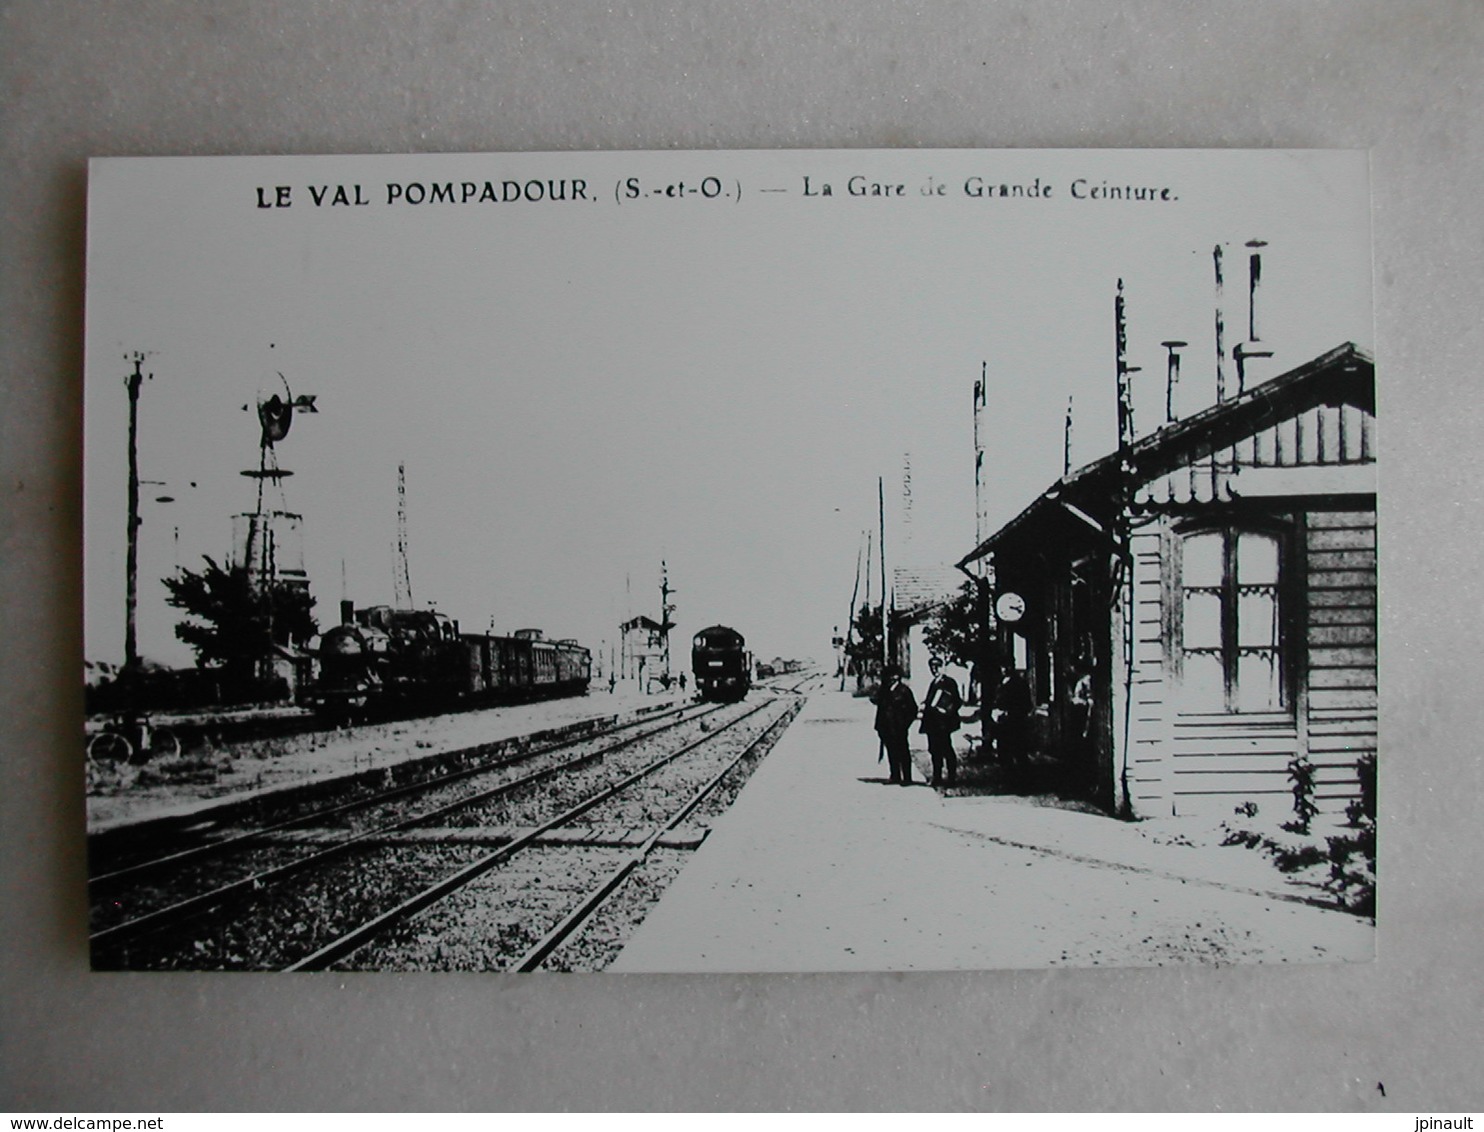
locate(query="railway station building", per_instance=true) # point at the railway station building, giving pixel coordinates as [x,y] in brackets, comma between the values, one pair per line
[1196,610]
[917,593]
[642,650]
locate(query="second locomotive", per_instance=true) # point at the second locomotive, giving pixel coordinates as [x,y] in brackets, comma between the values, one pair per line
[721,663]
[385,659]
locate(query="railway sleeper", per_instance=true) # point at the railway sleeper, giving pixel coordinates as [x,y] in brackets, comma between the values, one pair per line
[683,837]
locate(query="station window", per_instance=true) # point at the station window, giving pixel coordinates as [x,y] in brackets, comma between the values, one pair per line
[1231,626]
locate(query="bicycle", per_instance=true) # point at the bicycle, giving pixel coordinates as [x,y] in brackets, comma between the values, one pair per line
[128,741]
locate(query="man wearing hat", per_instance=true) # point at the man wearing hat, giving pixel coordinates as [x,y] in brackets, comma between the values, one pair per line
[896,708]
[940,720]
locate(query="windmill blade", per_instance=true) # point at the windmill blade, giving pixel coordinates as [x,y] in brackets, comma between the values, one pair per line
[276,415]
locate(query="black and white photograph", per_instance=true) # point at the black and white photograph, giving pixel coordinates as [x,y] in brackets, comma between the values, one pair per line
[730,561]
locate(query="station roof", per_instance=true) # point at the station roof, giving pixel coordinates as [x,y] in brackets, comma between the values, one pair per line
[919,589]
[641,622]
[1344,375]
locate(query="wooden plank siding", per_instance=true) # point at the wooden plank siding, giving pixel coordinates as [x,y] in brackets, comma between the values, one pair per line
[1220,761]
[1210,762]
[1340,633]
[1147,771]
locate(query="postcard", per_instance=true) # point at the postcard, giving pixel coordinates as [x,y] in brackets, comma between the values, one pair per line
[730,561]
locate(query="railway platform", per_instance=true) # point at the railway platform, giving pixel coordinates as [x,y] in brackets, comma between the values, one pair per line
[235,775]
[821,865]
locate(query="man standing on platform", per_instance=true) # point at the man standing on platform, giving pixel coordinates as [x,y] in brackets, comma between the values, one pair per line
[940,720]
[896,708]
[1013,707]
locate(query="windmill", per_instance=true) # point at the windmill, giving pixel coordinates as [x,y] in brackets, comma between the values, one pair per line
[258,538]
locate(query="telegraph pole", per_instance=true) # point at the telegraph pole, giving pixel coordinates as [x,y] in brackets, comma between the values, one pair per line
[131,591]
[1220,327]
[885,603]
[665,610]
[1123,531]
[981,391]
[1066,442]
[850,622]
[402,577]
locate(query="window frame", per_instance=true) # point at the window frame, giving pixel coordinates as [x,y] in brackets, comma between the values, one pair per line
[1284,532]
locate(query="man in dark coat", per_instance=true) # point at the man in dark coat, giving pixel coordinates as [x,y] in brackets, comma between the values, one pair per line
[940,720]
[1013,706]
[896,708]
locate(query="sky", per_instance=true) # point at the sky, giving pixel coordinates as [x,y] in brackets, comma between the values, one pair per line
[710,373]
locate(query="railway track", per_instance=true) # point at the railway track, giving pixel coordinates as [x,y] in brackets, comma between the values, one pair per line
[111,867]
[145,895]
[332,884]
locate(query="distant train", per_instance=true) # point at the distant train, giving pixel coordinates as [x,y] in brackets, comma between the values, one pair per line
[384,659]
[721,663]
[766,670]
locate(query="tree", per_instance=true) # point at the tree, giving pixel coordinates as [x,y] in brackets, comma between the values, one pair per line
[956,630]
[864,649]
[957,634]
[237,620]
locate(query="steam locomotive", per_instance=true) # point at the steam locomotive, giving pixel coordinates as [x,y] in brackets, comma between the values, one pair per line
[721,663]
[388,660]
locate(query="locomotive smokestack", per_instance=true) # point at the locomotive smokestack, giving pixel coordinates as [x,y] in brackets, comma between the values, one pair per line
[347,611]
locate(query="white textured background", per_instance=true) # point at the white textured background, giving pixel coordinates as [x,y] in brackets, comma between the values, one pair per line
[274,76]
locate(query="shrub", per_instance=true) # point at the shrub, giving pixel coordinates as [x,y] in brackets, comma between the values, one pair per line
[1301,776]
